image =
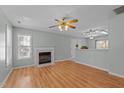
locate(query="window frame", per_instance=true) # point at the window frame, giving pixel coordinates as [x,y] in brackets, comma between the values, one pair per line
[24,57]
[106,48]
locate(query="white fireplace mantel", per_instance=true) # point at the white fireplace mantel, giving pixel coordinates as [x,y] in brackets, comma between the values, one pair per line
[43,49]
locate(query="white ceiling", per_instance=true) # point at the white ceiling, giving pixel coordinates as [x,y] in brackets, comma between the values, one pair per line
[40,17]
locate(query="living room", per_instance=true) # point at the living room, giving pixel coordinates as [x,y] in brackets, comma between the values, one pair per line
[59,48]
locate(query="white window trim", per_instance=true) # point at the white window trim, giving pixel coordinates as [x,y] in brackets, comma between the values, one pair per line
[20,58]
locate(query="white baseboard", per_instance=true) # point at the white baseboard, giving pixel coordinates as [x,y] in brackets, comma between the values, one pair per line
[36,65]
[63,60]
[3,83]
[111,73]
[106,70]
[24,66]
[115,74]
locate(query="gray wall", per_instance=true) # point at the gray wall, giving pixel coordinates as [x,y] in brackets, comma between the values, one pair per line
[93,57]
[3,69]
[116,51]
[111,59]
[61,43]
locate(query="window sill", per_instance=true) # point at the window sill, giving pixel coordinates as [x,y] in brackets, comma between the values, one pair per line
[23,58]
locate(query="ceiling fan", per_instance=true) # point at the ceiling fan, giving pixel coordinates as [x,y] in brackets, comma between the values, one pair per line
[64,24]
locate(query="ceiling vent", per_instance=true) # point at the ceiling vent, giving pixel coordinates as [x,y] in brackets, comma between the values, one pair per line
[119,10]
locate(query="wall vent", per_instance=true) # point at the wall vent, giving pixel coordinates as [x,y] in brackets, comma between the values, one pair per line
[119,10]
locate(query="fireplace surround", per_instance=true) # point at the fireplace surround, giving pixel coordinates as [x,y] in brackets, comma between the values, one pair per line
[44,56]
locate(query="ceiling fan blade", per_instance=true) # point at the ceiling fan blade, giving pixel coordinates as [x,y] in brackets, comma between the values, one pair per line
[72,21]
[71,26]
[56,20]
[63,18]
[53,26]
[66,17]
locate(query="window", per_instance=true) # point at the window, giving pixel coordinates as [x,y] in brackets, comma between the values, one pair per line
[24,46]
[101,44]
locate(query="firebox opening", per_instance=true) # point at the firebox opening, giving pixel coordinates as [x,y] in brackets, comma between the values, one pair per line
[44,57]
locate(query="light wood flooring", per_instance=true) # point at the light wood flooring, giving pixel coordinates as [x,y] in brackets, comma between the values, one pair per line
[64,74]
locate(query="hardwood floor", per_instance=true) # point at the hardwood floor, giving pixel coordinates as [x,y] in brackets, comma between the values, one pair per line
[65,74]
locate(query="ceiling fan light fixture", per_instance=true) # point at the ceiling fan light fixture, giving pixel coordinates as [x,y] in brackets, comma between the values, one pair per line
[66,28]
[64,24]
[60,28]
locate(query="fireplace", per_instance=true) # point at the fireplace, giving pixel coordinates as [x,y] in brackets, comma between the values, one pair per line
[44,57]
